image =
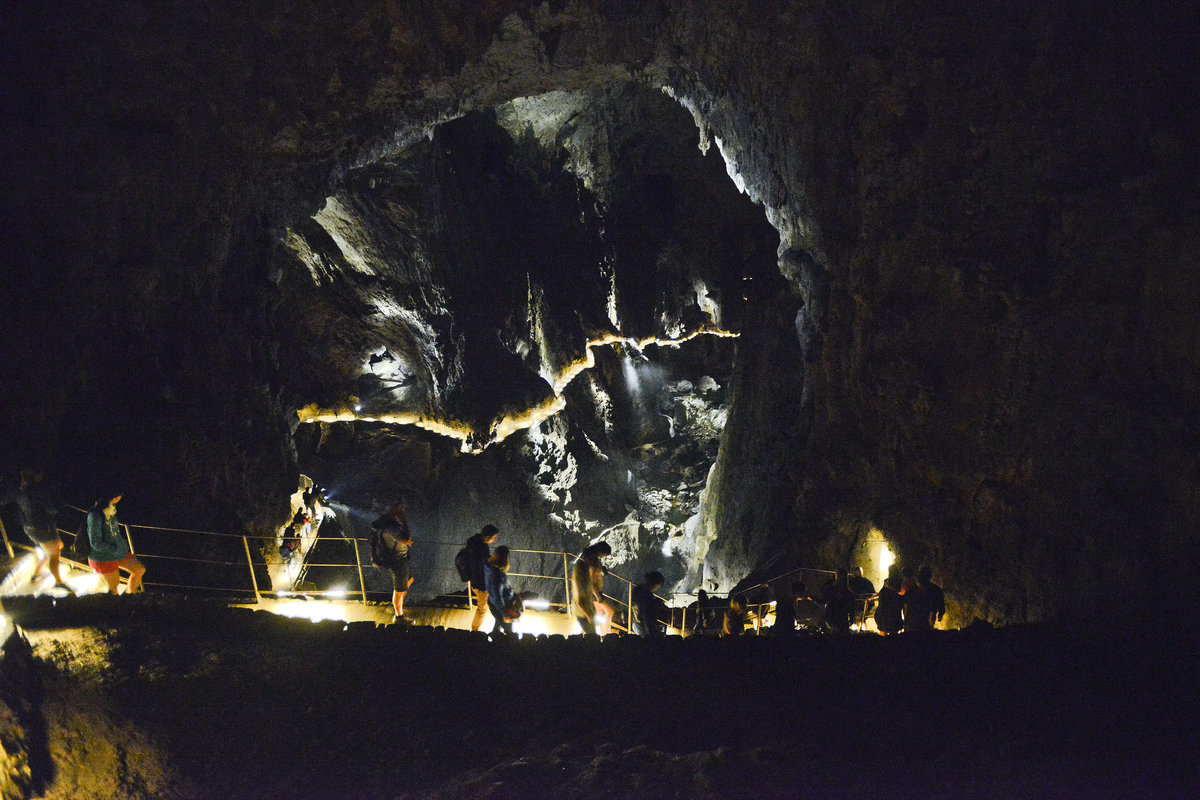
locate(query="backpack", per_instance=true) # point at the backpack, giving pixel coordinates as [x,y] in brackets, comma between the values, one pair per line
[381,555]
[515,608]
[81,548]
[462,563]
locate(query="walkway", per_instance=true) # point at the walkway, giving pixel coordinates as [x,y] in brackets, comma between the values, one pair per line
[256,577]
[19,580]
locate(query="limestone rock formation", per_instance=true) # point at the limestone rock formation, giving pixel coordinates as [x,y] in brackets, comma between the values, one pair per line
[958,244]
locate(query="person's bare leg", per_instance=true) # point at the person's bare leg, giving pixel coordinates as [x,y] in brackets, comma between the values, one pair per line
[136,571]
[113,579]
[43,557]
[604,627]
[398,603]
[55,559]
[481,608]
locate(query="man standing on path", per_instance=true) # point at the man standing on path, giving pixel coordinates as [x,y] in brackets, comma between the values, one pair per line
[479,550]
[391,537]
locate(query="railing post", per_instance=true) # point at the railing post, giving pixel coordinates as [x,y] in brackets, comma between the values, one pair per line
[362,583]
[7,543]
[129,539]
[250,563]
[567,588]
[629,607]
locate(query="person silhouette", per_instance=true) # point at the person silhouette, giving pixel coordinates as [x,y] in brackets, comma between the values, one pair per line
[649,612]
[926,605]
[588,588]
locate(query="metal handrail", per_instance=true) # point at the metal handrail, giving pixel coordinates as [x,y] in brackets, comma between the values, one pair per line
[622,608]
[622,617]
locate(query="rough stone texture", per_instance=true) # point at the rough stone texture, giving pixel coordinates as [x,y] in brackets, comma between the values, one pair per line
[151,697]
[20,690]
[987,347]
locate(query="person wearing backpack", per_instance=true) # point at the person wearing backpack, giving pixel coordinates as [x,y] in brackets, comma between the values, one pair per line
[470,563]
[390,542]
[110,551]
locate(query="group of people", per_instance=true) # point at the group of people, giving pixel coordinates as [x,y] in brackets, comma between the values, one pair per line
[306,519]
[712,616]
[909,603]
[485,570]
[108,550]
[904,603]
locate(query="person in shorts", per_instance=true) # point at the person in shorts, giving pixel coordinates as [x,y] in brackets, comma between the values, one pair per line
[110,549]
[38,512]
[396,541]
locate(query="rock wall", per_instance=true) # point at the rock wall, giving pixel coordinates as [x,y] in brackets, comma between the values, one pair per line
[985,345]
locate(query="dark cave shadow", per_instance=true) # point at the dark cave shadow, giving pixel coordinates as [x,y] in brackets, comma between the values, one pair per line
[23,691]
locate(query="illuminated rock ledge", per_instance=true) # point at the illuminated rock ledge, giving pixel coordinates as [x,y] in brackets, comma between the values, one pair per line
[473,441]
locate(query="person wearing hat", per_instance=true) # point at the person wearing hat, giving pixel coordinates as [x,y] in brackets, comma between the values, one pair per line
[110,550]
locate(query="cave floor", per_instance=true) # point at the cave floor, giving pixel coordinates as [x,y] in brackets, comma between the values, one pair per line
[155,697]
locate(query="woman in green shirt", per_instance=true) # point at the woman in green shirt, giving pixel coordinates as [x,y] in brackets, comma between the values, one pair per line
[110,550]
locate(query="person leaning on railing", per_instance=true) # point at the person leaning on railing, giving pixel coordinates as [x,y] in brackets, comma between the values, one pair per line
[110,550]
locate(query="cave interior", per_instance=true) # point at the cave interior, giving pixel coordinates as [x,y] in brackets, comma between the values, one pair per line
[738,288]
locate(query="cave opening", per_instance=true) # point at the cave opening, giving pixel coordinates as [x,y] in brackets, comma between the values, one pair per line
[530,318]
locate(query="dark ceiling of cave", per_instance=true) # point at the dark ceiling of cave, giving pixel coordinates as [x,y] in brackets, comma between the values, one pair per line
[958,243]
